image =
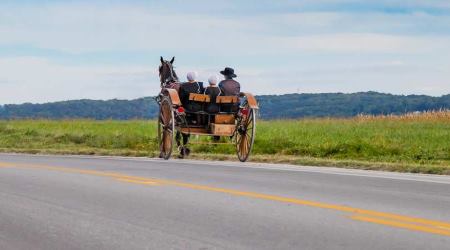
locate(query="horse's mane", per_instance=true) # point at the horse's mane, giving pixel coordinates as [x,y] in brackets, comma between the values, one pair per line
[174,73]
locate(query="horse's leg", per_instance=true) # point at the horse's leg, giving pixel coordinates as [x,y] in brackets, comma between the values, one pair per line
[178,138]
[185,139]
[185,142]
[184,151]
[179,146]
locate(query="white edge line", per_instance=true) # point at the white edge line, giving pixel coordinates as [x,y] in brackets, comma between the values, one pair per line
[440,179]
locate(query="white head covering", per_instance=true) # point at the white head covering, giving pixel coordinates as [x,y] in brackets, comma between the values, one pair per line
[212,80]
[192,76]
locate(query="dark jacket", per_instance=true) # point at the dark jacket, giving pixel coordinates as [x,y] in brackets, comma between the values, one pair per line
[187,88]
[230,87]
[213,92]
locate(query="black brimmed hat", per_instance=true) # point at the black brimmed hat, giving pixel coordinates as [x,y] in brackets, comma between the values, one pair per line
[228,72]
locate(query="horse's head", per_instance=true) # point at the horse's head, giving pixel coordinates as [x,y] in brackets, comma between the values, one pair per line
[166,72]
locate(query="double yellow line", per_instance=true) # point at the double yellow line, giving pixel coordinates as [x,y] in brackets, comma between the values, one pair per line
[388,219]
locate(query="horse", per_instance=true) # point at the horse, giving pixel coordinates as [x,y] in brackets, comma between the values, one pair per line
[169,79]
[167,75]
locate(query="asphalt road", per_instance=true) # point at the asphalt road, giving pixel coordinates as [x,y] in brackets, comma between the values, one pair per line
[76,202]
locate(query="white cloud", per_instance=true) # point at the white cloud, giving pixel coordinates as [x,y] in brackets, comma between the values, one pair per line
[38,80]
[366,42]
[84,28]
[78,28]
[31,79]
[309,51]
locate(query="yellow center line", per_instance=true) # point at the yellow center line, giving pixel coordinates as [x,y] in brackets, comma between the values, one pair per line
[433,230]
[151,183]
[372,216]
[4,165]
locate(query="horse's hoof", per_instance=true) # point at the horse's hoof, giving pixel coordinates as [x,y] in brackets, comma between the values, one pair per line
[182,152]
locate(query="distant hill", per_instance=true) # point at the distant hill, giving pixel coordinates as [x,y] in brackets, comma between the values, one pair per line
[345,105]
[272,106]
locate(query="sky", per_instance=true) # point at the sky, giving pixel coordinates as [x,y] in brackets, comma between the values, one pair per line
[62,50]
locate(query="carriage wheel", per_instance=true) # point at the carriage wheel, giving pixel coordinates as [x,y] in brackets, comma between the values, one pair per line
[166,128]
[245,134]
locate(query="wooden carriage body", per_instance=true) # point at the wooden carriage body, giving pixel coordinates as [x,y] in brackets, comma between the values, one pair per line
[235,118]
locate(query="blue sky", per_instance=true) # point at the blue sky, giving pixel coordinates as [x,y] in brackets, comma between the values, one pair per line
[60,50]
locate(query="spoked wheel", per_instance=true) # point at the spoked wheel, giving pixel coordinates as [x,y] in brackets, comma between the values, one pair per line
[245,133]
[166,128]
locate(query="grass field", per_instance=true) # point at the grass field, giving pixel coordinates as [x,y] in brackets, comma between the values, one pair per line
[408,143]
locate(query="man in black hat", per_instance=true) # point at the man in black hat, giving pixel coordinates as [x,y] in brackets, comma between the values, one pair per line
[229,86]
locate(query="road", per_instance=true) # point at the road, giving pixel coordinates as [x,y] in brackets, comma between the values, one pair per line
[82,202]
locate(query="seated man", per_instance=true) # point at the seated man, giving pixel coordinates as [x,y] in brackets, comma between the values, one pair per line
[213,91]
[229,87]
[191,86]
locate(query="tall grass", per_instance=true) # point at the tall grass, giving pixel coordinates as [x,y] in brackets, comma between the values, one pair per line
[422,139]
[81,134]
[432,115]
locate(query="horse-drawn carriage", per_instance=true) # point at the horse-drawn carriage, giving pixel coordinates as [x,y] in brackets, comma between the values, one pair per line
[235,119]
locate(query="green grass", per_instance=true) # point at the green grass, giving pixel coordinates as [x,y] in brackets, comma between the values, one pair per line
[408,145]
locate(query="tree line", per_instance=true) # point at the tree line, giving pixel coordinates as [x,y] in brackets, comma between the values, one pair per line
[271,106]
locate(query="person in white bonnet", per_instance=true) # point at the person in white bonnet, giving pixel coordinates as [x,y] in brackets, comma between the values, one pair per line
[212,80]
[192,76]
[191,86]
[186,88]
[213,91]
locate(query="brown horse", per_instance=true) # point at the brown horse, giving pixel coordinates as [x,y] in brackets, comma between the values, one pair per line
[169,79]
[167,75]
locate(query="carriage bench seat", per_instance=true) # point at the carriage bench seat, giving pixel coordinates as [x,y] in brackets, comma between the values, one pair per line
[228,104]
[227,99]
[199,98]
[196,103]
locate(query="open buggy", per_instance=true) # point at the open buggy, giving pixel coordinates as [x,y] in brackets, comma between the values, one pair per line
[235,118]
